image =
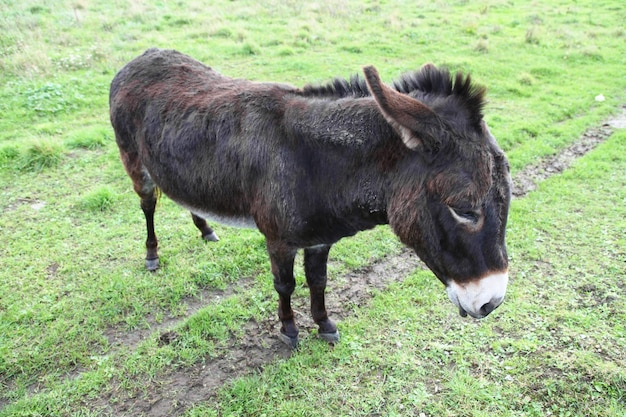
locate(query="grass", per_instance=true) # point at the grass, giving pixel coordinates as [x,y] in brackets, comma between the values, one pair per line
[71,269]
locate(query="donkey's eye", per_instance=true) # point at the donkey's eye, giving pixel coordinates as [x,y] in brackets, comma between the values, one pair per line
[464,215]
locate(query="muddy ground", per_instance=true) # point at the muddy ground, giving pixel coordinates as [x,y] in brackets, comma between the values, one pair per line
[180,389]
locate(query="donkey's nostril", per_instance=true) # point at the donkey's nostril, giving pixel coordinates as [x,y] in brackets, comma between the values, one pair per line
[488,308]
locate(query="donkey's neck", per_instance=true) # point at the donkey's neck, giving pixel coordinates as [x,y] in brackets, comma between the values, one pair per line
[351,123]
[351,147]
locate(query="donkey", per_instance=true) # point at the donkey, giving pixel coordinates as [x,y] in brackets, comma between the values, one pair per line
[310,166]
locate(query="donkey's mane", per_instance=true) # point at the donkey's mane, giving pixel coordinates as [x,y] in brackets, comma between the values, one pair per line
[428,84]
[338,88]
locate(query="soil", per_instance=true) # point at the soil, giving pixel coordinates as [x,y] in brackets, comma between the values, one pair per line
[176,391]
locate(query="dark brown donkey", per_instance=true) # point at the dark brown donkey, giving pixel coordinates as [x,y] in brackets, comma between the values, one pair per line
[310,166]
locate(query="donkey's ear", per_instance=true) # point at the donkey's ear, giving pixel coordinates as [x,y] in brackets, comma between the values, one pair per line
[414,121]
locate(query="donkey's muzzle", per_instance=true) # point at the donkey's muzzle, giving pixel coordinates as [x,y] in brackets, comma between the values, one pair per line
[478,298]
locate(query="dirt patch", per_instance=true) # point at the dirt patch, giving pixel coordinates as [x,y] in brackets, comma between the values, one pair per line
[117,336]
[178,390]
[526,180]
[34,203]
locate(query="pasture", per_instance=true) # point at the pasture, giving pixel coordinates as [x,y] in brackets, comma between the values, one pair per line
[85,330]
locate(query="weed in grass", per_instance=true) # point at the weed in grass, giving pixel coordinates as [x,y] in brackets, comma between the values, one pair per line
[248,48]
[593,53]
[482,46]
[533,35]
[223,32]
[47,99]
[39,156]
[99,200]
[543,72]
[470,25]
[286,51]
[526,79]
[75,60]
[26,61]
[8,153]
[91,138]
[353,49]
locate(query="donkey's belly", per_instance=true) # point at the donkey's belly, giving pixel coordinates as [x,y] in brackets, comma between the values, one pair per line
[228,220]
[227,208]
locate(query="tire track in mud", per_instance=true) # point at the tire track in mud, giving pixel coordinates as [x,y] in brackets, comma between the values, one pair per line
[177,391]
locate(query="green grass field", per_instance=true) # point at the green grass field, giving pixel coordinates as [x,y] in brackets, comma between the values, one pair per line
[83,325]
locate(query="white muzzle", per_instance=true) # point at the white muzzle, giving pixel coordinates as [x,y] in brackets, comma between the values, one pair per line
[480,297]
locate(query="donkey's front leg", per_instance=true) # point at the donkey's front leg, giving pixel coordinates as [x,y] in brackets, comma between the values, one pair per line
[281,257]
[315,260]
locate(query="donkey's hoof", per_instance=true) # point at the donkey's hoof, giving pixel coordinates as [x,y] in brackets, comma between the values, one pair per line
[331,338]
[152,264]
[291,341]
[211,237]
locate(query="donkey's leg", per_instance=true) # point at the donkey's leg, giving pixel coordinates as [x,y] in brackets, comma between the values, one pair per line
[207,233]
[315,259]
[148,205]
[282,257]
[147,192]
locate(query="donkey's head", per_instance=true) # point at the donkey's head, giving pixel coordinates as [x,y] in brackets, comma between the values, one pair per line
[451,196]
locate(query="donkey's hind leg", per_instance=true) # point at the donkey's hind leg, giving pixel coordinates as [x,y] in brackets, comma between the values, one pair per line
[147,192]
[148,205]
[207,233]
